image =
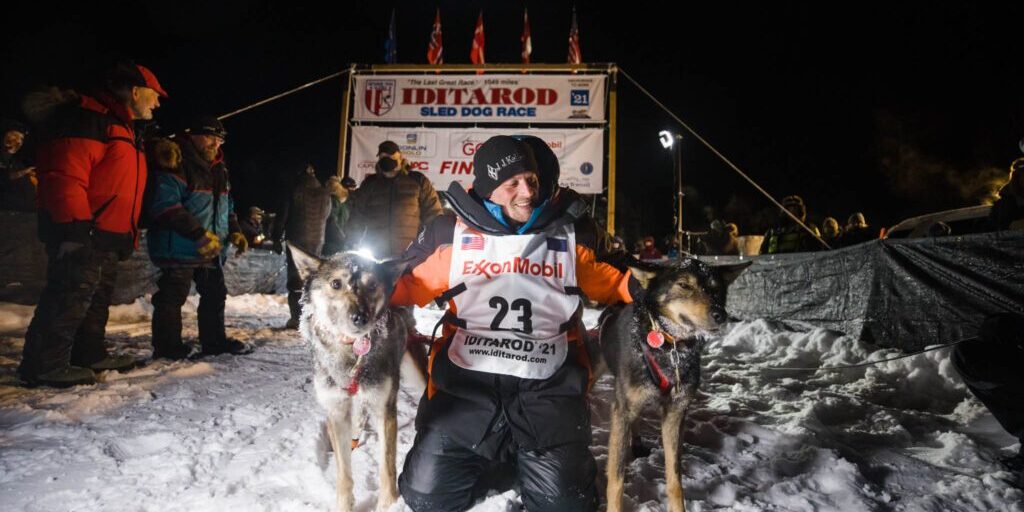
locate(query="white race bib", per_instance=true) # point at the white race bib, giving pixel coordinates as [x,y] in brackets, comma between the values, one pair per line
[515,304]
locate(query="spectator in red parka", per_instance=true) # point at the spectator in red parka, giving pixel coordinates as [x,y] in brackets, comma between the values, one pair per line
[649,251]
[92,175]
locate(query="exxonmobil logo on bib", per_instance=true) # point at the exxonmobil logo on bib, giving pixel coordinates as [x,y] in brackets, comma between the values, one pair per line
[516,265]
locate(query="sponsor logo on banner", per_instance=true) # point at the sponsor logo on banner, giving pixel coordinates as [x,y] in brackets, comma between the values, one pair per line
[380,96]
[579,97]
[445,155]
[503,98]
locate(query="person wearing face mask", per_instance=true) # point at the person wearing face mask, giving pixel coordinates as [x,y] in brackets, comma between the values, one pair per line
[92,174]
[391,205]
[508,377]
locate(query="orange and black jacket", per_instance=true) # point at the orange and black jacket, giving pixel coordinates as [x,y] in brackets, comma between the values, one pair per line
[92,175]
[465,402]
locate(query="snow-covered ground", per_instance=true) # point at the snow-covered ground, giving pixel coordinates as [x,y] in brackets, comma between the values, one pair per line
[243,433]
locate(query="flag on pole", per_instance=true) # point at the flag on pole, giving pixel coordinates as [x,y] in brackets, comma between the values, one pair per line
[527,45]
[391,45]
[435,52]
[575,57]
[476,54]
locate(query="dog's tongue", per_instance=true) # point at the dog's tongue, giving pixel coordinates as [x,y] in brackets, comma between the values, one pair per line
[361,346]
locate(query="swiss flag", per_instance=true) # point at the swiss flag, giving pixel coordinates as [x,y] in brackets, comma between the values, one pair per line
[527,46]
[476,55]
[435,52]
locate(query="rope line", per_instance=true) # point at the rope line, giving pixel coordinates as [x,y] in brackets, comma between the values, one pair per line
[283,94]
[722,157]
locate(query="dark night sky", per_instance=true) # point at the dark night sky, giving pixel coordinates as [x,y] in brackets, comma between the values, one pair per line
[894,111]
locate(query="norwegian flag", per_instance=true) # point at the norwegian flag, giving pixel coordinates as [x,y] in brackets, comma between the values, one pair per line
[472,242]
[575,57]
[527,45]
[435,52]
[476,54]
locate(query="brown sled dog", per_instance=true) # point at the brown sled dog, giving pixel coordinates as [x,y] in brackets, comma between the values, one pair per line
[652,347]
[358,342]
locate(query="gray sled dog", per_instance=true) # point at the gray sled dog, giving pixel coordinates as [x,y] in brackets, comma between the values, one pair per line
[358,342]
[652,347]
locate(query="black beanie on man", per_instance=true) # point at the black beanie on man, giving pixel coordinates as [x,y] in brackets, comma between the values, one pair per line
[498,159]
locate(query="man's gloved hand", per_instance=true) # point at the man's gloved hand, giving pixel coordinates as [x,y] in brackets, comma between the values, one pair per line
[67,248]
[238,240]
[208,245]
[278,247]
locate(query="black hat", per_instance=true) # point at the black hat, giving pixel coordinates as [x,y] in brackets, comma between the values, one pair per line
[387,147]
[548,168]
[348,182]
[10,125]
[498,159]
[207,125]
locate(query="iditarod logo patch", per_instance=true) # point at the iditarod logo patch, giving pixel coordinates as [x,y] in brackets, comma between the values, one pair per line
[380,96]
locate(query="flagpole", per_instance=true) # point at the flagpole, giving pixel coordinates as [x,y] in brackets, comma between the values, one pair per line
[343,133]
[612,147]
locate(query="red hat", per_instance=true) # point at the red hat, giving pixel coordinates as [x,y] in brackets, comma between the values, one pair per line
[151,81]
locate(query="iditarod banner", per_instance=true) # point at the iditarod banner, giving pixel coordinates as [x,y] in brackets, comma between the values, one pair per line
[445,155]
[480,98]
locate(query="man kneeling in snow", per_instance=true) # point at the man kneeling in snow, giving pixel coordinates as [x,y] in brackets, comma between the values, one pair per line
[508,378]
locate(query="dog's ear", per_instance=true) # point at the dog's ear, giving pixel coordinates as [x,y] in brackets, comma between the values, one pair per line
[305,263]
[729,273]
[643,274]
[393,269]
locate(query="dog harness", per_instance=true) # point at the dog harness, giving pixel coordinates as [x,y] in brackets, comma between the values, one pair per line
[655,338]
[516,297]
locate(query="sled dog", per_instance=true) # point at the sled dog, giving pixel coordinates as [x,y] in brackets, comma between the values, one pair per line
[652,347]
[358,342]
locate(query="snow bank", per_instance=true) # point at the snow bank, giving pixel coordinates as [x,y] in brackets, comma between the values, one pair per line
[243,433]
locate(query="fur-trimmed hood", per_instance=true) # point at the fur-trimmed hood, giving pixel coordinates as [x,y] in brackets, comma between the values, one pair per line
[40,105]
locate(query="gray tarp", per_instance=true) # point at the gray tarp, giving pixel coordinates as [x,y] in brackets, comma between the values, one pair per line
[905,293]
[23,267]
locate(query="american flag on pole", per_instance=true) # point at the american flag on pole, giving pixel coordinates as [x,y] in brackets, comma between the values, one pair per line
[575,57]
[472,242]
[476,54]
[527,45]
[435,52]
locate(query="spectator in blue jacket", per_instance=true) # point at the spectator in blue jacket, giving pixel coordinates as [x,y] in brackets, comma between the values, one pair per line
[192,222]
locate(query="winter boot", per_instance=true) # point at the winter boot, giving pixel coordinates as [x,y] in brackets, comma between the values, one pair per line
[64,377]
[228,346]
[119,363]
[174,352]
